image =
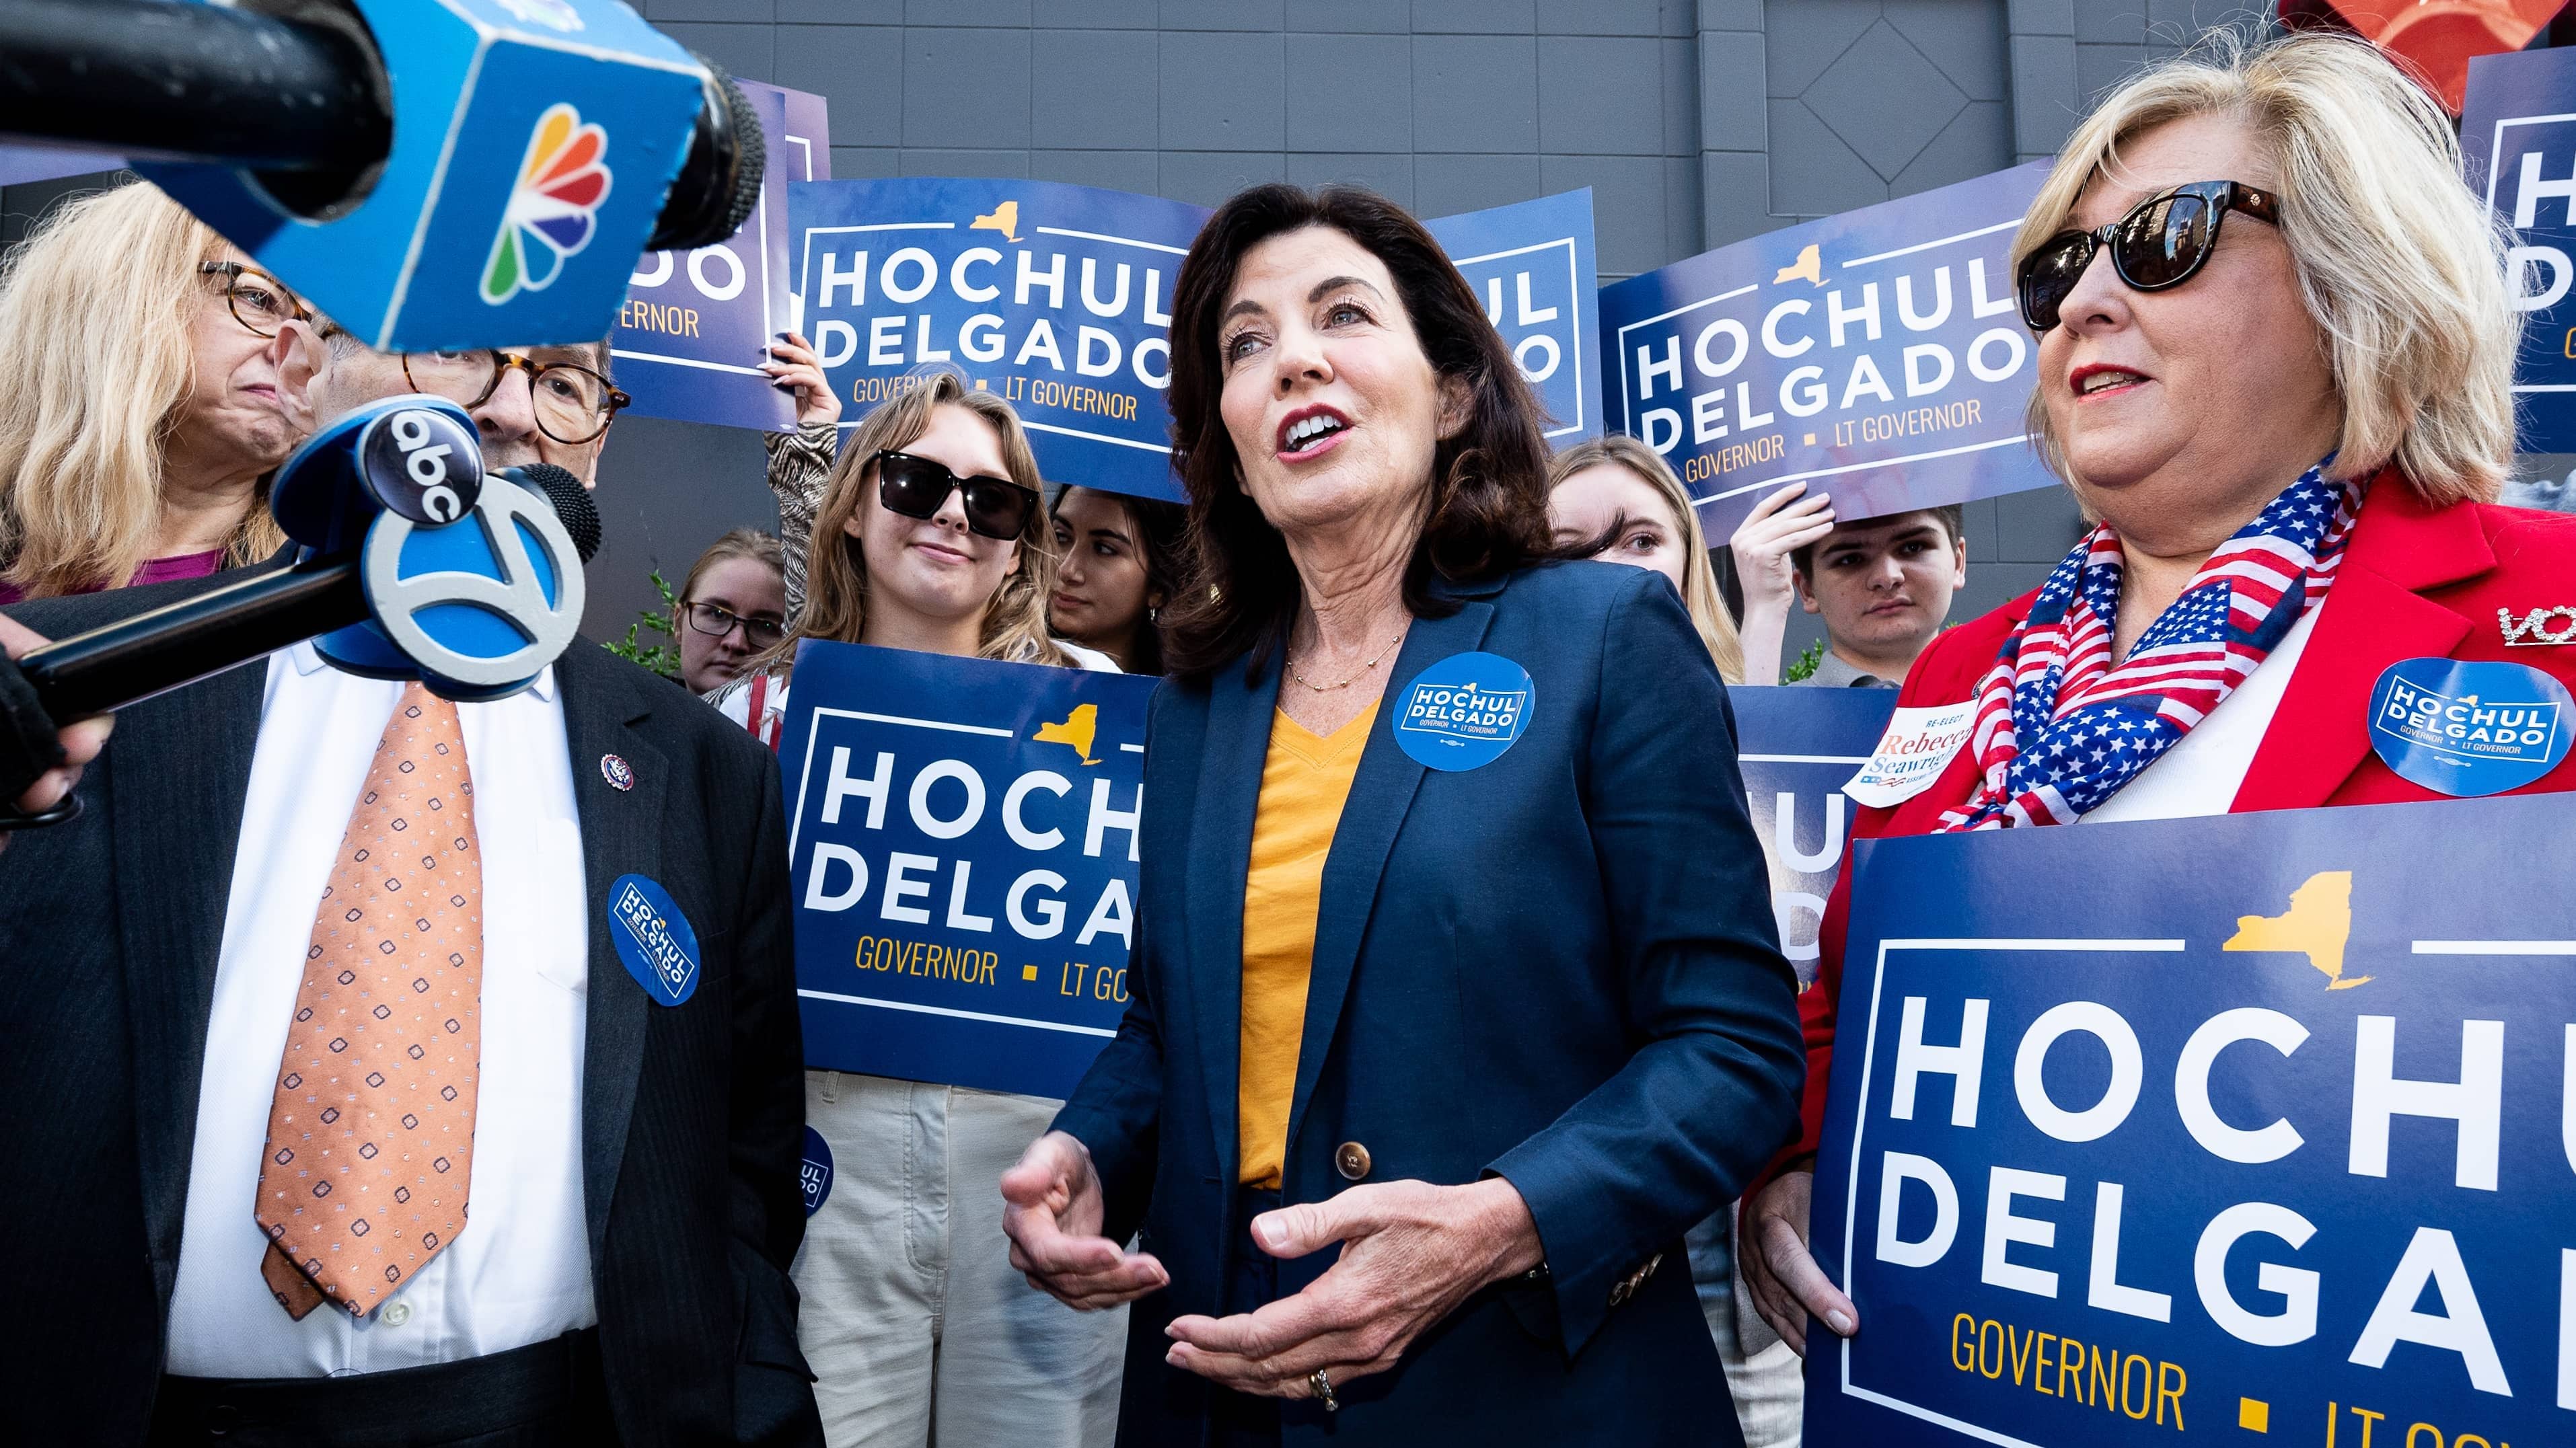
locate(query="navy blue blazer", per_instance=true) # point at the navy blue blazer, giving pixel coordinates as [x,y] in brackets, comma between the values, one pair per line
[1560,968]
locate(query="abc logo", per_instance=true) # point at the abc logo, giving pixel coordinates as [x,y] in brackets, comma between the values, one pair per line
[422,465]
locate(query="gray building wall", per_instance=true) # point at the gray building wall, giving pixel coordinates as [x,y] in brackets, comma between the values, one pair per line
[1696,122]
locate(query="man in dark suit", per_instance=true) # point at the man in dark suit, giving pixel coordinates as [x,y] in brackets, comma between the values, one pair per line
[627,1148]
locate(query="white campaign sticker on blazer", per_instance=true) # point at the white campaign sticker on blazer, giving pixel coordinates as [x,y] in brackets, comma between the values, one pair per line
[1912,753]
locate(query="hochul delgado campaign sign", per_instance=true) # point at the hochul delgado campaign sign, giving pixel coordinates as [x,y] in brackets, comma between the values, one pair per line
[2518,139]
[1056,297]
[1877,355]
[1531,265]
[1796,748]
[2261,1124]
[963,851]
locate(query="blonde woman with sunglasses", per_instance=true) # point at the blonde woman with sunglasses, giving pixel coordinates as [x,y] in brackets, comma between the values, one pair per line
[150,377]
[931,534]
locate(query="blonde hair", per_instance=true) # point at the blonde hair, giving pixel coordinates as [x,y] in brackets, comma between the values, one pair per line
[1699,577]
[836,578]
[2401,265]
[752,543]
[96,361]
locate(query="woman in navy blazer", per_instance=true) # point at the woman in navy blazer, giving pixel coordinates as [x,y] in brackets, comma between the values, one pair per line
[1546,1022]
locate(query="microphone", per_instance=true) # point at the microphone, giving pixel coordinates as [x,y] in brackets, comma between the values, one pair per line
[428,178]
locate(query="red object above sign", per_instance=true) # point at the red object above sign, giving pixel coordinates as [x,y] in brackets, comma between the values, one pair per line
[2437,37]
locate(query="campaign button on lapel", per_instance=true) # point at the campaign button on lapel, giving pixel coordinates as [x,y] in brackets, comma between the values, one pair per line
[654,940]
[1464,712]
[2468,729]
[619,774]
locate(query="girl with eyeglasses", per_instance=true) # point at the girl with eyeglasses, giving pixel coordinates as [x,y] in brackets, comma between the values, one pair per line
[150,378]
[733,606]
[930,534]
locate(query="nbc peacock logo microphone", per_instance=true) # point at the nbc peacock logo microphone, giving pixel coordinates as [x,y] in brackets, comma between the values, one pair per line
[553,203]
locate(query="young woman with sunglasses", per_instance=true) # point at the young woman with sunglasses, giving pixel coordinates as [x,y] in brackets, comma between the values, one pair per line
[150,377]
[2275,364]
[932,535]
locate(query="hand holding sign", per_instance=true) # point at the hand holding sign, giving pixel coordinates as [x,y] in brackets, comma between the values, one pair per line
[1778,526]
[1053,1221]
[1779,1268]
[797,370]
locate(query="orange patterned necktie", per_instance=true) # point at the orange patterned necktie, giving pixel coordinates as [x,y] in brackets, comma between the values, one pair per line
[371,1132]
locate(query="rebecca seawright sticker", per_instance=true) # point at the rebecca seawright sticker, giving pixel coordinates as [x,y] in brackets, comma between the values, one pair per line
[1464,711]
[2467,729]
[1912,753]
[653,939]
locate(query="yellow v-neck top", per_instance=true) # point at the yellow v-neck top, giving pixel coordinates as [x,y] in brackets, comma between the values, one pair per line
[1304,782]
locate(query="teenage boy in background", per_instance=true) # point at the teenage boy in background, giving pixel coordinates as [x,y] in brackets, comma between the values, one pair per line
[1882,585]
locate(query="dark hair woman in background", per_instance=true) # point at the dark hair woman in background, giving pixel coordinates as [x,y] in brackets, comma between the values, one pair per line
[1430,1068]
[1120,559]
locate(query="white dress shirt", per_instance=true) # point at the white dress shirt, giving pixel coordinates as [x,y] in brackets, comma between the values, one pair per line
[520,1271]
[2201,774]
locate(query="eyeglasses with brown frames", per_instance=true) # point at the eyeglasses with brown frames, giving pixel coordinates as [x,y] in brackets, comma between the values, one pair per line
[260,302]
[573,403]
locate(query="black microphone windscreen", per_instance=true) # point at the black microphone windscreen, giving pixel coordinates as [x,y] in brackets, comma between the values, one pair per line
[572,503]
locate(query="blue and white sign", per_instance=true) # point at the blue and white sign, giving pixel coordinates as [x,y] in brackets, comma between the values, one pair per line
[2466,729]
[697,324]
[1056,297]
[1877,355]
[1532,264]
[963,846]
[2253,1128]
[653,939]
[814,1172]
[1464,712]
[1797,747]
[2518,143]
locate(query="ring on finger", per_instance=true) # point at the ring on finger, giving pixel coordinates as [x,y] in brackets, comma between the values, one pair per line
[1323,1387]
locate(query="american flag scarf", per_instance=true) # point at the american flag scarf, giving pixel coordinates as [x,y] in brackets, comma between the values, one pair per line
[2058,730]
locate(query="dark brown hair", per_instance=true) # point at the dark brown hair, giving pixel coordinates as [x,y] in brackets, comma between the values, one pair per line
[1487,510]
[1158,527]
[1952,517]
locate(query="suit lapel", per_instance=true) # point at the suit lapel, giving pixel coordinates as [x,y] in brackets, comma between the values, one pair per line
[1381,795]
[2374,617]
[178,778]
[1240,705]
[620,835]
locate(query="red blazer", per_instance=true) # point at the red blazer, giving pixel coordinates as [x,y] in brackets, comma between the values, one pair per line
[2416,581]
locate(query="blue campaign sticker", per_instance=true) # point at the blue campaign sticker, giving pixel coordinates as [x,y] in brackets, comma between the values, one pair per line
[1464,711]
[2469,729]
[814,1174]
[654,939]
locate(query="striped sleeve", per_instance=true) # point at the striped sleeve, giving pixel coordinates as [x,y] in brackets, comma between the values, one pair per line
[800,465]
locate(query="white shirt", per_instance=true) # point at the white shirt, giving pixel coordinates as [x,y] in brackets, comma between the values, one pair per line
[2202,772]
[520,1271]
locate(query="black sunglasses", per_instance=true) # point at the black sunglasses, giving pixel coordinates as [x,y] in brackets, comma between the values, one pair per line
[2163,243]
[917,487]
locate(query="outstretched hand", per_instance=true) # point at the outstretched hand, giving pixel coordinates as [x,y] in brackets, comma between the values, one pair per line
[1053,1217]
[1411,1253]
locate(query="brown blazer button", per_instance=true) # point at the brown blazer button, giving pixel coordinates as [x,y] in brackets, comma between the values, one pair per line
[1352,1160]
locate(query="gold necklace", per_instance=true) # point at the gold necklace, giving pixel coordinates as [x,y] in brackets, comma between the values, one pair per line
[1355,676]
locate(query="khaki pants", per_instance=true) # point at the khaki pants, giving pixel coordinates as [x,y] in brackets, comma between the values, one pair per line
[1763,1374]
[916,1327]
